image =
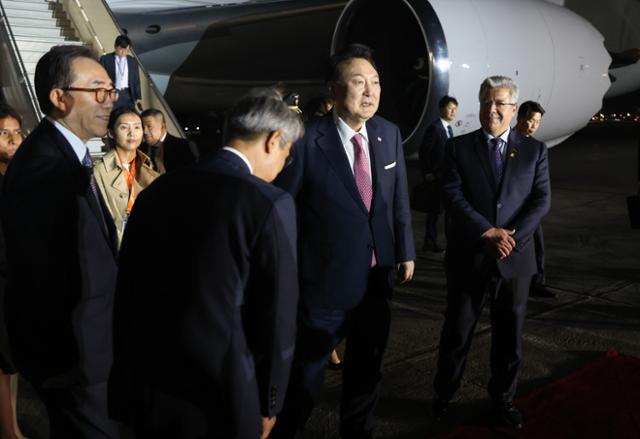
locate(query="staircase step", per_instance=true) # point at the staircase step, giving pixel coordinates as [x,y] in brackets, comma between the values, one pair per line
[42,32]
[45,23]
[27,5]
[27,13]
[32,55]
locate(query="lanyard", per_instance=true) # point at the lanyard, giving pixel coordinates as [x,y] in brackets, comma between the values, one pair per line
[130,176]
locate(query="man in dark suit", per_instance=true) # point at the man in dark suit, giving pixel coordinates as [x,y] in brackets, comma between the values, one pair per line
[431,156]
[123,71]
[529,118]
[167,152]
[349,180]
[496,191]
[205,317]
[61,248]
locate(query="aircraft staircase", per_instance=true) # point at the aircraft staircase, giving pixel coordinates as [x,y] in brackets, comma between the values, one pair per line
[29,28]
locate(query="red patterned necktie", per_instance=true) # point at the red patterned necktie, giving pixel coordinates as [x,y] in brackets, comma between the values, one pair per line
[361,173]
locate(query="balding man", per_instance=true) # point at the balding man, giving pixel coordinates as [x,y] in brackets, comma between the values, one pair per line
[167,152]
[496,191]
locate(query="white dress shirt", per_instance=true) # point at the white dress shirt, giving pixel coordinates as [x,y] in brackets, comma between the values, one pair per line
[79,147]
[346,133]
[122,72]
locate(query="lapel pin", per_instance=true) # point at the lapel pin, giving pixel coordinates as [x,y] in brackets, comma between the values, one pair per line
[379,139]
[512,155]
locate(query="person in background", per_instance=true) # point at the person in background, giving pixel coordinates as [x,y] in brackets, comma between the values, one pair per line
[496,192]
[167,152]
[11,137]
[123,71]
[124,171]
[529,118]
[431,156]
[204,322]
[61,248]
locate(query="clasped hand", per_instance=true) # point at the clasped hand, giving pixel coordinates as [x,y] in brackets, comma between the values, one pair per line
[499,243]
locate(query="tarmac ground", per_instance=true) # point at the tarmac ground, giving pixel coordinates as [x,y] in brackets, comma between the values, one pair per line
[593,265]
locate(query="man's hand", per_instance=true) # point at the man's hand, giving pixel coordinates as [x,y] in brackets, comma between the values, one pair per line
[405,271]
[499,243]
[267,426]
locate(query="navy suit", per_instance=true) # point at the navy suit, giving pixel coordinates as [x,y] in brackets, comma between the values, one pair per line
[61,250]
[170,154]
[475,201]
[341,295]
[204,321]
[133,93]
[431,156]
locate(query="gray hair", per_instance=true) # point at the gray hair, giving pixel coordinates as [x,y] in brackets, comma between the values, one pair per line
[263,111]
[499,82]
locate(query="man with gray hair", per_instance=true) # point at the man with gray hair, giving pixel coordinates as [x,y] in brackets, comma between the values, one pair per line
[496,191]
[204,324]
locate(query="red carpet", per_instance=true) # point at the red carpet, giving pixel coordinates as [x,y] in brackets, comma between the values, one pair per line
[600,400]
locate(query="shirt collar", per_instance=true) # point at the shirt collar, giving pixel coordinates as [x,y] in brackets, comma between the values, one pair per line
[241,155]
[445,124]
[345,132]
[78,146]
[504,136]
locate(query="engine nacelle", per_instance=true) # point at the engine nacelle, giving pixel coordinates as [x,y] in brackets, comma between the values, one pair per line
[426,49]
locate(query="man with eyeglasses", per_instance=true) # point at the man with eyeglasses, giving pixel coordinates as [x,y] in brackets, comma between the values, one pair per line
[496,191]
[61,248]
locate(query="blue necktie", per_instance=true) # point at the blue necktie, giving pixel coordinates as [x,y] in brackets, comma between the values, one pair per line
[450,131]
[496,155]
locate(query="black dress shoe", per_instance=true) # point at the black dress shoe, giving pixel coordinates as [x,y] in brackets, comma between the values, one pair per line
[540,290]
[333,366]
[439,410]
[507,415]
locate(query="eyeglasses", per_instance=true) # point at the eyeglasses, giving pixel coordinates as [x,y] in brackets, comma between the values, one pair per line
[101,93]
[498,104]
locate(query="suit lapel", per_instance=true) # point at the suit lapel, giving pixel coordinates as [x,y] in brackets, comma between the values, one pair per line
[331,146]
[482,151]
[509,158]
[97,206]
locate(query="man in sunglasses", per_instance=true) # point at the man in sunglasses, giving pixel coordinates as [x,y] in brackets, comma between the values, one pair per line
[61,248]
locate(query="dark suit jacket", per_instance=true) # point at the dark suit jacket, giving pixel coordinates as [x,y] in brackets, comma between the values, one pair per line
[174,153]
[108,61]
[474,202]
[336,234]
[207,314]
[431,151]
[62,263]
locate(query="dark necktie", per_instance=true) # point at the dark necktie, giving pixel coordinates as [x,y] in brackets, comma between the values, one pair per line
[88,166]
[498,162]
[361,174]
[450,131]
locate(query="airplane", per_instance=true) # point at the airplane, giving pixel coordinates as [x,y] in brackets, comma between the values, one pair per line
[204,54]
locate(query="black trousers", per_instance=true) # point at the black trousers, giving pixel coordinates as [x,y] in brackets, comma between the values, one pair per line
[124,99]
[465,300]
[78,412]
[366,329]
[538,239]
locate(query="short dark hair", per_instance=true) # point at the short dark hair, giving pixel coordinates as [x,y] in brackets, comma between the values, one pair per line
[115,114]
[528,107]
[6,112]
[122,41]
[152,112]
[337,60]
[54,71]
[446,100]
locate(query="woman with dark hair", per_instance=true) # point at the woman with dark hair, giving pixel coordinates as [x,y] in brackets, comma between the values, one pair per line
[123,171]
